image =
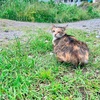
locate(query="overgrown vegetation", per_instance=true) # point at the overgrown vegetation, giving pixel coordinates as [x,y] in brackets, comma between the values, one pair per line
[30,10]
[30,71]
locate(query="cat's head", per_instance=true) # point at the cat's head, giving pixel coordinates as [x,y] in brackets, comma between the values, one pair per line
[58,32]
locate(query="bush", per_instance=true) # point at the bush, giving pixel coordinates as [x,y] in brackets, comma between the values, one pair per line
[13,9]
[44,13]
[30,10]
[93,9]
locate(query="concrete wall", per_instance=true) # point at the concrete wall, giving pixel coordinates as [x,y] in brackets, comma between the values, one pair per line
[96,1]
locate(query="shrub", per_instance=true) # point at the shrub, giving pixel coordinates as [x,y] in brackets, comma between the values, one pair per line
[44,13]
[30,10]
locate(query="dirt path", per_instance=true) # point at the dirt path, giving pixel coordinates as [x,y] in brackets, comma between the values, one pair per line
[10,29]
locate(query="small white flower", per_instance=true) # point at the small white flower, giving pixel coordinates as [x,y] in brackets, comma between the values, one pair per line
[46,41]
[0,49]
[51,53]
[30,56]
[98,36]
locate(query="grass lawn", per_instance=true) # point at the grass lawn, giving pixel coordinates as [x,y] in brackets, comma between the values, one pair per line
[30,71]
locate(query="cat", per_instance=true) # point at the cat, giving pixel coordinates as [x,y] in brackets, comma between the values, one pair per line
[68,49]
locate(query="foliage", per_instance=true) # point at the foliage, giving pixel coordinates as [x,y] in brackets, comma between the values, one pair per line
[29,71]
[31,10]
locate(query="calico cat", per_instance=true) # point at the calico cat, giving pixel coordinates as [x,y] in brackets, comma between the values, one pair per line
[68,49]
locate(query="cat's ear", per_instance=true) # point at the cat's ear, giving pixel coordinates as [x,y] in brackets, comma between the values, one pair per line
[65,27]
[53,26]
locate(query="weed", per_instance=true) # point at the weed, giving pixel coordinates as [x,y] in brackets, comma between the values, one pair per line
[32,73]
[29,10]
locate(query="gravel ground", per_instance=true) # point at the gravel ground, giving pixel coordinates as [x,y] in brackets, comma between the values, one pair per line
[10,29]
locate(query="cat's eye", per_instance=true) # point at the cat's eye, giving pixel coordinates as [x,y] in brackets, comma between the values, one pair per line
[53,31]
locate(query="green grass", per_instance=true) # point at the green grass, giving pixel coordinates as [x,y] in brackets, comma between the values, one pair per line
[29,71]
[28,10]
